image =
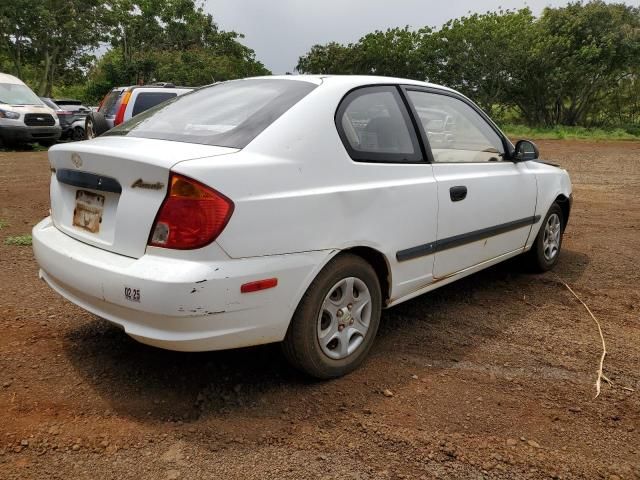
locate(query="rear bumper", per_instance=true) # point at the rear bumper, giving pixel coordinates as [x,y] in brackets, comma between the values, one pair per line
[183,305]
[15,134]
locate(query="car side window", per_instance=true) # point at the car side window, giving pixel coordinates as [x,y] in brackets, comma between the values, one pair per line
[146,100]
[455,131]
[374,126]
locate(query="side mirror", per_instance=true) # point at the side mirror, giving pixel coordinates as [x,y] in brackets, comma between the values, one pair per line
[526,150]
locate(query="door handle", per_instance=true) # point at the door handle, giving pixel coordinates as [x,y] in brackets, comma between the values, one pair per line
[458,193]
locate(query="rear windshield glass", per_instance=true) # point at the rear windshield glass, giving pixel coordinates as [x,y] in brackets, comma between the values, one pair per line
[108,108]
[228,114]
[146,100]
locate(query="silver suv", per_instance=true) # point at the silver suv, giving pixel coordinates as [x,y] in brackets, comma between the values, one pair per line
[122,103]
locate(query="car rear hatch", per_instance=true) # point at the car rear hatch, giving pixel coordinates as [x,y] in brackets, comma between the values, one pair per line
[65,117]
[71,112]
[109,105]
[107,192]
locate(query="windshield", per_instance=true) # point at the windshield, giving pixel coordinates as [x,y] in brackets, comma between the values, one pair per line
[228,114]
[49,103]
[17,94]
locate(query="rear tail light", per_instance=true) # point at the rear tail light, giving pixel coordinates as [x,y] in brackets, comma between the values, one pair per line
[191,216]
[123,106]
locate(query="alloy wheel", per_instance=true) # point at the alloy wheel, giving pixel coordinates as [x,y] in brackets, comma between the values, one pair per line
[344,318]
[551,237]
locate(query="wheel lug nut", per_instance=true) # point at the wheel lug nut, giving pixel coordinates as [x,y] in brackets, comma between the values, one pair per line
[351,322]
[340,328]
[349,306]
[340,313]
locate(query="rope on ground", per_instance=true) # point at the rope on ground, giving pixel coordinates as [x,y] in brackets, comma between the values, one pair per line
[601,375]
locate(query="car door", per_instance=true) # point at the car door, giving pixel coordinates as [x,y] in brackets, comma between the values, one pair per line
[392,183]
[486,203]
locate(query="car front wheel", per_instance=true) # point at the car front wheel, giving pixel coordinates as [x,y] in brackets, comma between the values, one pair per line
[337,319]
[545,251]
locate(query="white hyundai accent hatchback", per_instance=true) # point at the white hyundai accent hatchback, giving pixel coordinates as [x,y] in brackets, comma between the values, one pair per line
[291,209]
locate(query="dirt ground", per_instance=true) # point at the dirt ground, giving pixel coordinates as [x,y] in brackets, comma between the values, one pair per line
[492,377]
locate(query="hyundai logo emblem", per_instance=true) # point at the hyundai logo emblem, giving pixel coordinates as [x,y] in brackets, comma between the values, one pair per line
[76,160]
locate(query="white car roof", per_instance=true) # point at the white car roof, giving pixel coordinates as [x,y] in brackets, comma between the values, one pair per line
[6,78]
[351,80]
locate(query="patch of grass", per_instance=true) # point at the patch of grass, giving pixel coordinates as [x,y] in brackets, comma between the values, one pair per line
[3,223]
[18,240]
[568,133]
[25,147]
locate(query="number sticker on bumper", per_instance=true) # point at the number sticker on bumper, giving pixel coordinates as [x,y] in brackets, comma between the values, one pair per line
[132,294]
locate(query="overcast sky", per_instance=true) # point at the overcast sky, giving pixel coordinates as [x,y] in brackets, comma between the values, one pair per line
[280,31]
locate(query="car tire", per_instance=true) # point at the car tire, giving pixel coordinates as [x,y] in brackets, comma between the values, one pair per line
[77,134]
[545,251]
[333,329]
[95,125]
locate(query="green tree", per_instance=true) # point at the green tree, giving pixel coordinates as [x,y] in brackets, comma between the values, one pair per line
[478,54]
[52,36]
[575,65]
[150,34]
[332,58]
[583,52]
[394,52]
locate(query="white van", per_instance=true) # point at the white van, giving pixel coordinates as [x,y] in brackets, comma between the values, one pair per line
[24,118]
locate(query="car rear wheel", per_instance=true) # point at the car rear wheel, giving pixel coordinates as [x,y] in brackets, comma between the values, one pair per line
[545,251]
[337,319]
[95,125]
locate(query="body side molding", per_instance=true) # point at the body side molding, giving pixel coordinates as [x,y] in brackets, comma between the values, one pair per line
[463,239]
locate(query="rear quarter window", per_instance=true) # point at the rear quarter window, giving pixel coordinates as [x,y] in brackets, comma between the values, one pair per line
[145,100]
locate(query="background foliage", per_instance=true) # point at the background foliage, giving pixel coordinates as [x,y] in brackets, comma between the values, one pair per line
[577,65]
[574,66]
[52,45]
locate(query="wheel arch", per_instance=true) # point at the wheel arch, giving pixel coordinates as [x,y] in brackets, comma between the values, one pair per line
[564,203]
[380,264]
[372,256]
